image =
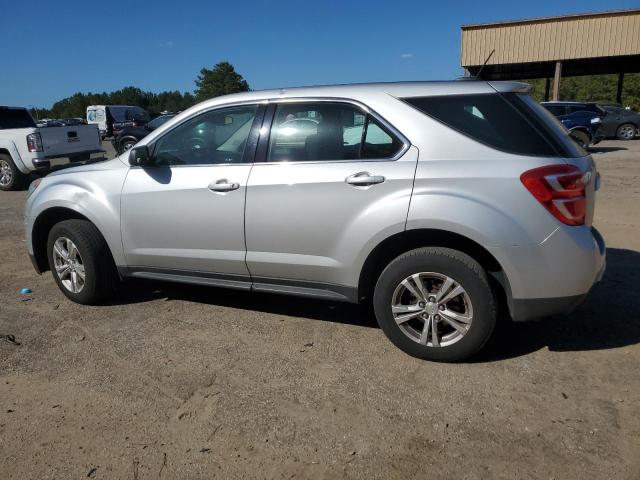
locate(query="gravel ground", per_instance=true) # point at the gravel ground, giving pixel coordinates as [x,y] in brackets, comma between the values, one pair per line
[175,381]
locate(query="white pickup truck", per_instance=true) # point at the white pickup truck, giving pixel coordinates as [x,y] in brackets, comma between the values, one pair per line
[25,148]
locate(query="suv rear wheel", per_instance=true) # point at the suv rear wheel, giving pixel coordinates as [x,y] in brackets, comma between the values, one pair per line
[626,131]
[80,261]
[10,177]
[435,303]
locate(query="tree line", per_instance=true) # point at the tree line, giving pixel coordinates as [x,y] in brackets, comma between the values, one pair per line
[222,79]
[594,88]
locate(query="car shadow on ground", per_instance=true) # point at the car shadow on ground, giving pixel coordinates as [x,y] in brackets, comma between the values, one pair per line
[609,318]
[605,149]
[139,291]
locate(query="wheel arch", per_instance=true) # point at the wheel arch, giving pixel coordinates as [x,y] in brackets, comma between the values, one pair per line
[582,129]
[43,224]
[402,242]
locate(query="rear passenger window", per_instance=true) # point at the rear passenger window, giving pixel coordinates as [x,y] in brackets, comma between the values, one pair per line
[328,131]
[500,121]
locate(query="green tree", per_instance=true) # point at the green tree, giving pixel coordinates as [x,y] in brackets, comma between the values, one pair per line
[594,88]
[222,79]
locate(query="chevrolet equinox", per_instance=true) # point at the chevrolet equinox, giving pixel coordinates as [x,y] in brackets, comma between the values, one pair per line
[442,203]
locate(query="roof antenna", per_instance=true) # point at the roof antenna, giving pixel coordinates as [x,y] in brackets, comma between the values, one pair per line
[477,76]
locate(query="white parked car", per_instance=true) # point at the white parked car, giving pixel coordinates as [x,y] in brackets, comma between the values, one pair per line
[26,148]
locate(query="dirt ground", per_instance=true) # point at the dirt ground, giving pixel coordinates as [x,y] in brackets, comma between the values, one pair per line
[175,381]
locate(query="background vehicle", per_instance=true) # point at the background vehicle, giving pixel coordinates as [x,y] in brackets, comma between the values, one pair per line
[621,123]
[617,121]
[25,148]
[111,119]
[129,136]
[583,120]
[457,200]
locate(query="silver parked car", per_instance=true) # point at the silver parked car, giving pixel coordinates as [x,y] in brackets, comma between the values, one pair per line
[442,203]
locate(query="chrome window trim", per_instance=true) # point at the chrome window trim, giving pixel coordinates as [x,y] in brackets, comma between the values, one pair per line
[365,109]
[406,144]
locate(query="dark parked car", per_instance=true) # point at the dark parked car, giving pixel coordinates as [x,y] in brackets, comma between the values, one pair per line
[617,122]
[620,123]
[583,120]
[129,136]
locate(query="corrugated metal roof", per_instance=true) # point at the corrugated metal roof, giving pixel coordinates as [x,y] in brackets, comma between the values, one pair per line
[545,19]
[592,35]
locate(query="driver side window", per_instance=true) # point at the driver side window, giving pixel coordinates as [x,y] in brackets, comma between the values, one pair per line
[214,137]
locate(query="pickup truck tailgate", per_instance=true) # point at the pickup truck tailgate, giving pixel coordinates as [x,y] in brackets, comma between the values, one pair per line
[66,141]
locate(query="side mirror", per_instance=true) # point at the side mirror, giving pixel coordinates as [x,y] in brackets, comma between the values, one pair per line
[140,157]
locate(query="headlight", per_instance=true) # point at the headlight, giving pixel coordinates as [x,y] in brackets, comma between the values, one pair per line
[33,186]
[596,120]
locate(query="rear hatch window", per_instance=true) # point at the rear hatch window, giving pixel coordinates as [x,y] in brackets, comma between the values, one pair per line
[15,118]
[510,122]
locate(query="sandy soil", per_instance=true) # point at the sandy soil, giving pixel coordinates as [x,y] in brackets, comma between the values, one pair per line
[181,382]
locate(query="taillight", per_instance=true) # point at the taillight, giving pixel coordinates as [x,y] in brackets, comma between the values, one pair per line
[560,189]
[34,142]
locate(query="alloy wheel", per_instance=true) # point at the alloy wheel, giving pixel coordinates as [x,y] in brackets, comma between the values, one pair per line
[432,309]
[68,265]
[627,132]
[6,174]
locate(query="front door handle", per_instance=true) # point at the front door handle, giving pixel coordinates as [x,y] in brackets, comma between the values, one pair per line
[223,185]
[363,179]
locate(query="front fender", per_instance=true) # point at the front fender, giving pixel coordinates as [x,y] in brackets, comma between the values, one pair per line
[93,194]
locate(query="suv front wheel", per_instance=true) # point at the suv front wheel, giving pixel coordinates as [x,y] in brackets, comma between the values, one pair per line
[435,303]
[81,262]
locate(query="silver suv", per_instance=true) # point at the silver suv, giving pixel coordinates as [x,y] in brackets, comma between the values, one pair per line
[442,203]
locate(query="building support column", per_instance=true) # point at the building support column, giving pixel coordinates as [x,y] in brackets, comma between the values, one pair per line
[547,86]
[556,81]
[620,84]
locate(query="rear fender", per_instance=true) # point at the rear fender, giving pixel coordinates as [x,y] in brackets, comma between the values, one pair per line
[10,148]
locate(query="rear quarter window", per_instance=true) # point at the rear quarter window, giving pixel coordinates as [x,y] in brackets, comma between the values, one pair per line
[506,122]
[15,118]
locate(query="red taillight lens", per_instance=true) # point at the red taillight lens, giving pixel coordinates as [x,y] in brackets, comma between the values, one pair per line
[560,189]
[34,142]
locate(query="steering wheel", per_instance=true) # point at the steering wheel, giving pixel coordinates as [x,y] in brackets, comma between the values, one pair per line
[196,146]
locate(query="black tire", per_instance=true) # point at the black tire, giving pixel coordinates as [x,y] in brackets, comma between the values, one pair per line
[582,138]
[467,273]
[12,179]
[101,276]
[127,144]
[626,131]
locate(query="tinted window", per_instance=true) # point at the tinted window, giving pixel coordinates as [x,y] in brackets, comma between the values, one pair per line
[327,131]
[507,122]
[158,121]
[557,110]
[15,118]
[218,136]
[378,142]
[589,107]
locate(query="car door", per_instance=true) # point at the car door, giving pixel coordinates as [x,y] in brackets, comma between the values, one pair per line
[333,180]
[185,215]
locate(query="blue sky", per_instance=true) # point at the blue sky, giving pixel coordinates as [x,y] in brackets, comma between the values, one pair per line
[51,49]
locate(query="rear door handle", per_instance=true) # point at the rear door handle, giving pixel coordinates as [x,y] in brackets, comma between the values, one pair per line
[363,179]
[223,185]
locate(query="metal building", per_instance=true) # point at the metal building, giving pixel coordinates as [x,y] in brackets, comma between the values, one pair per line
[584,44]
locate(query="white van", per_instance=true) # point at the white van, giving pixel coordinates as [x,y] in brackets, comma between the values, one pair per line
[104,116]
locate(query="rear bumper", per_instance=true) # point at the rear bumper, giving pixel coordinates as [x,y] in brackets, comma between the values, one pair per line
[44,163]
[556,276]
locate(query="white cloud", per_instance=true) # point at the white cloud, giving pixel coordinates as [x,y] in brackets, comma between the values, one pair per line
[167,44]
[406,55]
